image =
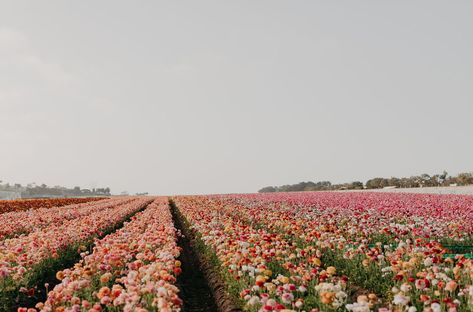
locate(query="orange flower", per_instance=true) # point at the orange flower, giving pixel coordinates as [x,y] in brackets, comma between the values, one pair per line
[105,278]
[60,275]
[327,297]
[104,291]
[451,286]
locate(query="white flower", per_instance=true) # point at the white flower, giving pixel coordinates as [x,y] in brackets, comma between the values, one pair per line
[436,307]
[244,244]
[340,295]
[401,300]
[271,302]
[406,287]
[254,300]
[358,307]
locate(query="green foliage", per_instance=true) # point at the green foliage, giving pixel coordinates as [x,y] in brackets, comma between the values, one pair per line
[366,278]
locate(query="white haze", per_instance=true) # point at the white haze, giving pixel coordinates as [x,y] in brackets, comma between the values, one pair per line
[229,96]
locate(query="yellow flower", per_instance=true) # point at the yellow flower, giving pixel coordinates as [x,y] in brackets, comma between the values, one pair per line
[331,270]
[327,297]
[372,297]
[270,287]
[283,279]
[316,261]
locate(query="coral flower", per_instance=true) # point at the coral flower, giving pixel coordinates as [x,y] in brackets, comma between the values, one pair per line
[451,286]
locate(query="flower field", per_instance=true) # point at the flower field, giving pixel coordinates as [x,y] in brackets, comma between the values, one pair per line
[321,251]
[23,222]
[132,269]
[340,251]
[27,204]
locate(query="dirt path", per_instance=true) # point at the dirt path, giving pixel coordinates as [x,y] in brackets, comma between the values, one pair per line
[195,291]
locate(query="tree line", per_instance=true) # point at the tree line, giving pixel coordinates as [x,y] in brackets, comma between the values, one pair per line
[423,180]
[33,190]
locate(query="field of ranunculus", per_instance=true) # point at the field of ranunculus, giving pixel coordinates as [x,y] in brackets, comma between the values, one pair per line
[322,251]
[27,204]
[339,251]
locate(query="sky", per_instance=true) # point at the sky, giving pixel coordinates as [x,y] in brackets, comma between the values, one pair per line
[189,97]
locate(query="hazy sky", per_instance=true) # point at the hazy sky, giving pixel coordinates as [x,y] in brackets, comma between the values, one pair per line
[230,96]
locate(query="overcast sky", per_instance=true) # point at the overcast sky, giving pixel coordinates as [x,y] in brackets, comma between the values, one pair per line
[230,96]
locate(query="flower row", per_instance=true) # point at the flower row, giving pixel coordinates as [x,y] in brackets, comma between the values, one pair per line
[132,269]
[18,256]
[27,204]
[269,269]
[23,222]
[389,252]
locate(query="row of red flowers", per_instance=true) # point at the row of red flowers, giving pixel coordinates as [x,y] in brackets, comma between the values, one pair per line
[27,204]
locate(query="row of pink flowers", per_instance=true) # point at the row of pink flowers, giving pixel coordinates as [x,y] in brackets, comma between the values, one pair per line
[23,222]
[429,215]
[19,255]
[132,269]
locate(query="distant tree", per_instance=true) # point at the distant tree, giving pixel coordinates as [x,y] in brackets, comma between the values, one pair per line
[393,181]
[424,179]
[434,180]
[267,189]
[465,178]
[377,183]
[443,176]
[76,191]
[356,185]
